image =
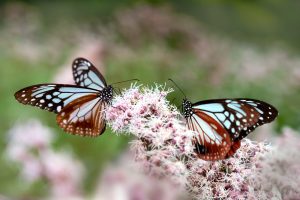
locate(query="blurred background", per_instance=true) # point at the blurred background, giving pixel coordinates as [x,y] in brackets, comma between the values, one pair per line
[211,48]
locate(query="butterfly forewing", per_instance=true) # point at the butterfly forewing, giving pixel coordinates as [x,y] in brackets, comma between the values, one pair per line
[238,116]
[83,116]
[51,97]
[86,75]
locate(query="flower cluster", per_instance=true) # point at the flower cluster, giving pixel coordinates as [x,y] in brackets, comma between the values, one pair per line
[145,113]
[163,150]
[29,145]
[162,138]
[233,178]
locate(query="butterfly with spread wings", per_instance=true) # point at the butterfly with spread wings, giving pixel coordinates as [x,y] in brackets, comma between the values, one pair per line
[79,107]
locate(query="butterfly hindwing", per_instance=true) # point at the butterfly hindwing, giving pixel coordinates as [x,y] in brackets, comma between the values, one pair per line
[83,116]
[212,141]
[238,116]
[86,75]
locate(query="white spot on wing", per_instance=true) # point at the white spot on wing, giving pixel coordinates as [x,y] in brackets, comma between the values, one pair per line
[58,109]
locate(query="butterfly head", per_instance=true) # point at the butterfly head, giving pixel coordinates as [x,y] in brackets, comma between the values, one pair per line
[107,93]
[187,108]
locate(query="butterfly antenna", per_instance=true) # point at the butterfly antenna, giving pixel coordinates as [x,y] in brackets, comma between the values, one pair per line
[177,87]
[125,81]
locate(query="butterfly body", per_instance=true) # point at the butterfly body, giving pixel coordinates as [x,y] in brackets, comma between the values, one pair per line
[221,124]
[106,94]
[79,107]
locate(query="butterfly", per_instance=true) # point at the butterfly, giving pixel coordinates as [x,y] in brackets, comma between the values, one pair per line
[79,107]
[221,124]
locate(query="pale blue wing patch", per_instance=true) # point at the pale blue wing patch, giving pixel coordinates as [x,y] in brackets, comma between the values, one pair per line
[39,91]
[74,89]
[213,107]
[220,116]
[237,108]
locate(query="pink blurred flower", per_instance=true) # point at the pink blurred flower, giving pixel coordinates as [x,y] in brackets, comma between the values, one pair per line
[281,169]
[31,134]
[29,145]
[64,172]
[23,140]
[124,181]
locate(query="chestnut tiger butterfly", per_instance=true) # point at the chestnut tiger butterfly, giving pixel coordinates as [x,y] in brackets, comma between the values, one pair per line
[221,124]
[79,107]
